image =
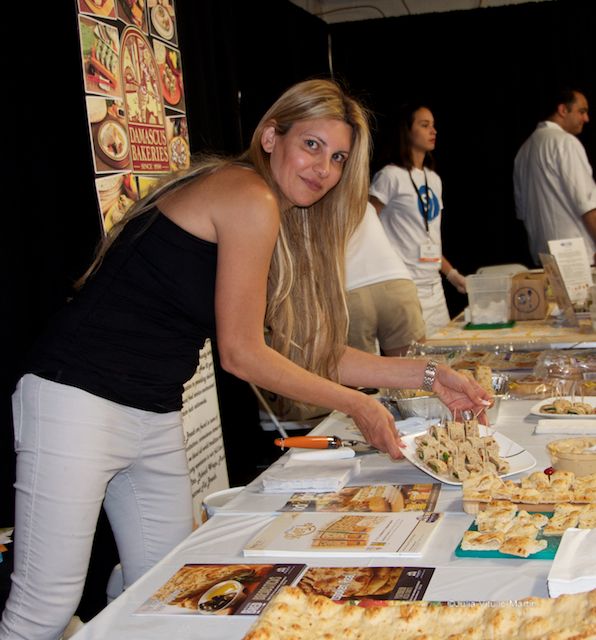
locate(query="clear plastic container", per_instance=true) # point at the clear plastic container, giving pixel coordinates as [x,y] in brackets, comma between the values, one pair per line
[489,298]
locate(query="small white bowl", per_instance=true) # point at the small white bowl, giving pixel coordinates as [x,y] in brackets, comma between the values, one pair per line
[220,596]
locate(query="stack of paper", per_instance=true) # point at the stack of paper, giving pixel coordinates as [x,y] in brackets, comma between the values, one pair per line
[314,477]
[574,567]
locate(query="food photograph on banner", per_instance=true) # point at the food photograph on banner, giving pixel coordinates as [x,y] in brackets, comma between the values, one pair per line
[116,194]
[179,145]
[170,75]
[100,51]
[162,22]
[134,97]
[104,8]
[146,184]
[109,134]
[132,12]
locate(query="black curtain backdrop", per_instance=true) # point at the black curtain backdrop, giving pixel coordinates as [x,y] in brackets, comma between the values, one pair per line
[483,73]
[237,58]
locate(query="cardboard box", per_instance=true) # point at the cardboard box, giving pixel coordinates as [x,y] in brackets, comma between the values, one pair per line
[528,296]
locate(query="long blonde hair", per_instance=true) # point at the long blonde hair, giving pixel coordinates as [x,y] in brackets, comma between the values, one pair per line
[306,312]
[306,316]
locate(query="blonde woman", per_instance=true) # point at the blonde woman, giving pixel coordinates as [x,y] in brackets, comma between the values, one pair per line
[224,251]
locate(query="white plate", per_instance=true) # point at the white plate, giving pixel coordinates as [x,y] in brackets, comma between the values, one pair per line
[535,410]
[162,21]
[519,459]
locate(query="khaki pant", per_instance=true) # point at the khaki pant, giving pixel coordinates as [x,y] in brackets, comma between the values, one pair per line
[388,312]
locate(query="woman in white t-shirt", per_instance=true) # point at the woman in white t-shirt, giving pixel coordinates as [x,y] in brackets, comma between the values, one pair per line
[407,194]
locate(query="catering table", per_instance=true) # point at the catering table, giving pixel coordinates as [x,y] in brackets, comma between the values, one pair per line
[533,334]
[222,538]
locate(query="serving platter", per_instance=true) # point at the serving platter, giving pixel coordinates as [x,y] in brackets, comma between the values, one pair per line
[548,553]
[591,400]
[519,458]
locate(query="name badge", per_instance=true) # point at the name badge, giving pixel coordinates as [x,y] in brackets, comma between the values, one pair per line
[429,252]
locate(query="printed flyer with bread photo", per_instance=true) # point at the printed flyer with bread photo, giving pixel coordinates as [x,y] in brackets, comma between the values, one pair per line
[382,498]
[355,584]
[402,534]
[221,589]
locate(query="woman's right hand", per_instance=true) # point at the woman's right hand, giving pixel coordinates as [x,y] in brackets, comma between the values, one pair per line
[377,425]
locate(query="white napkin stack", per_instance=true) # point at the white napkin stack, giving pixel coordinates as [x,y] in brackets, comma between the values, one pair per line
[575,426]
[574,567]
[414,424]
[311,477]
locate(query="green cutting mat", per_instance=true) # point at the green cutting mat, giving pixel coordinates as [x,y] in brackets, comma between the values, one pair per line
[497,325]
[546,554]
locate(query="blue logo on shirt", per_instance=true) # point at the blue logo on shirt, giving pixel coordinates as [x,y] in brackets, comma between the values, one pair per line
[428,203]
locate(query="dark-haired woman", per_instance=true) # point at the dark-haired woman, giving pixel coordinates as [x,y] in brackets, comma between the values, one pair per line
[407,194]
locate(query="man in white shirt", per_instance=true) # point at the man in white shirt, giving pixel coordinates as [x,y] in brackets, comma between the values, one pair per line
[555,192]
[382,299]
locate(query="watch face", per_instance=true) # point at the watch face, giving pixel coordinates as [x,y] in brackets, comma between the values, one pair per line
[526,299]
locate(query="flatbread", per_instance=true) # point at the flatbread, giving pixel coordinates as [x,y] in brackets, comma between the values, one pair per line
[527,529]
[558,524]
[522,546]
[293,615]
[536,480]
[495,519]
[482,540]
[484,377]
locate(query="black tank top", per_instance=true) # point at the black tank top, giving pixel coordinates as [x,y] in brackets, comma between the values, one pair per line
[133,332]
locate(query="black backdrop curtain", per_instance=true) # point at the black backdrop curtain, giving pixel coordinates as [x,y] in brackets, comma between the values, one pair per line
[483,73]
[237,58]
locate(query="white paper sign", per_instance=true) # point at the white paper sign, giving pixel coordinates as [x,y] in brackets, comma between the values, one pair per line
[574,265]
[202,433]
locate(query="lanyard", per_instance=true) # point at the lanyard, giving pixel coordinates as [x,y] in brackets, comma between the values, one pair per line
[425,205]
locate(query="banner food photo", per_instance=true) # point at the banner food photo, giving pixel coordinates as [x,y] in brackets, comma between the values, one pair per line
[134,91]
[136,110]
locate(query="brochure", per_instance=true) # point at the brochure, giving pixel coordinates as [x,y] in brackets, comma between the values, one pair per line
[376,498]
[574,265]
[220,589]
[559,289]
[354,584]
[402,534]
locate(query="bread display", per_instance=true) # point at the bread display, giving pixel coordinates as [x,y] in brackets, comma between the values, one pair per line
[293,615]
[536,492]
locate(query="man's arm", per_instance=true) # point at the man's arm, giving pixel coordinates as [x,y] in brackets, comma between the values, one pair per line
[589,219]
[376,203]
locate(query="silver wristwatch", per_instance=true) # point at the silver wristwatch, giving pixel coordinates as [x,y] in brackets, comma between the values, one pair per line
[430,373]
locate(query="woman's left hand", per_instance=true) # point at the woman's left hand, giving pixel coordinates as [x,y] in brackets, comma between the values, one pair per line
[459,392]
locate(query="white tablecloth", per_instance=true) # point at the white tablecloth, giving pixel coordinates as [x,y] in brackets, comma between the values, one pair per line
[223,537]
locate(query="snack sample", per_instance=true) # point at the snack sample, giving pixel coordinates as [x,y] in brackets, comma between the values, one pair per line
[567,407]
[458,450]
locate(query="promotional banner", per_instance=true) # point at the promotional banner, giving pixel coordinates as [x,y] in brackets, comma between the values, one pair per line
[134,92]
[202,433]
[136,111]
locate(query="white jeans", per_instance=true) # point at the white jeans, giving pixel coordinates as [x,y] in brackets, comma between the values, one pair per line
[75,451]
